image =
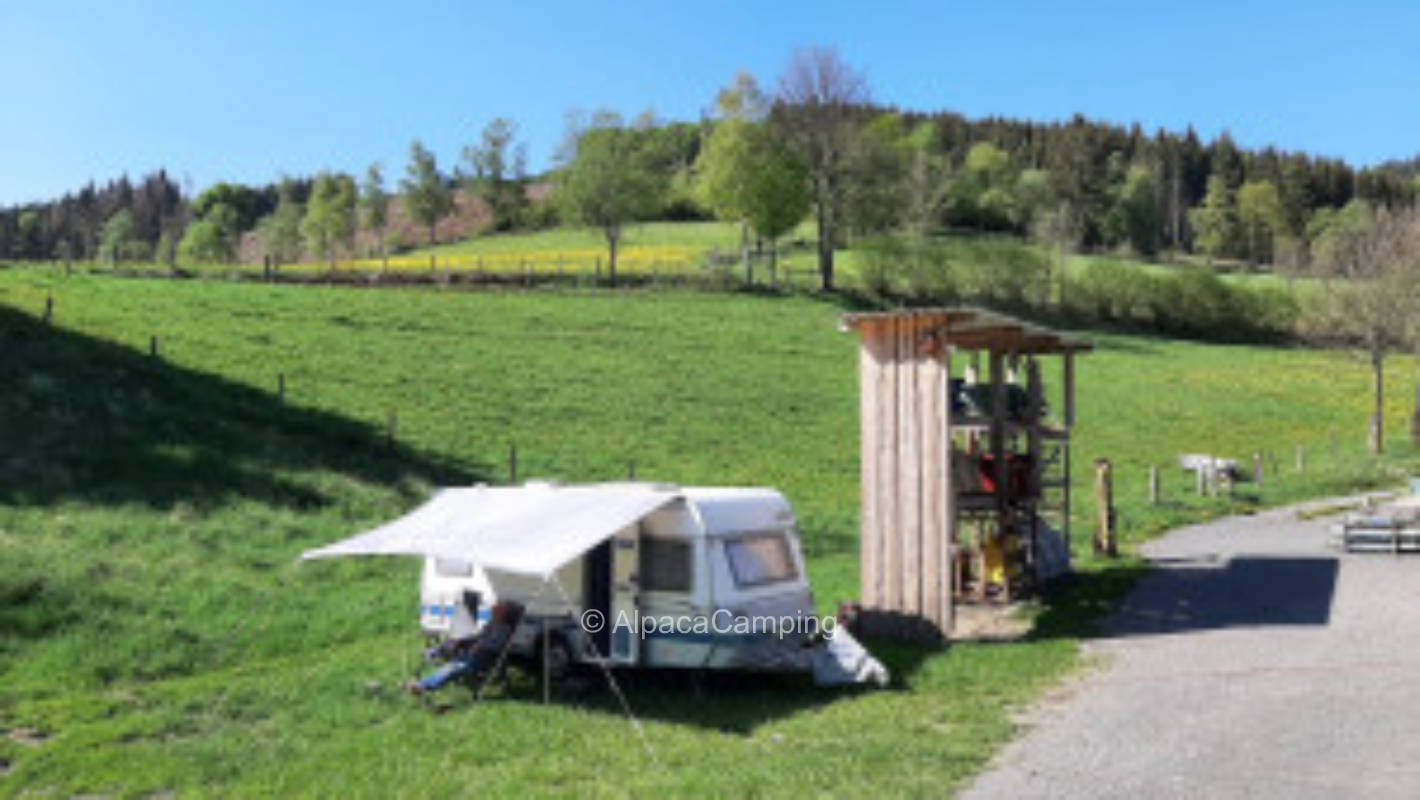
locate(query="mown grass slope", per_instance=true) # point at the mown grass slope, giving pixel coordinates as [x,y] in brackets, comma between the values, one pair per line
[156,633]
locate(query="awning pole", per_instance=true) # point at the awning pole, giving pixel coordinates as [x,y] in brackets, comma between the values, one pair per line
[610,679]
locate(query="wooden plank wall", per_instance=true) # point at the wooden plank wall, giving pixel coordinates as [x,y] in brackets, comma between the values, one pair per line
[906,492]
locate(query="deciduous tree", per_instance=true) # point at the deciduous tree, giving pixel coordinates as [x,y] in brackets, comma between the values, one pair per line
[1135,214]
[608,179]
[1372,268]
[1261,219]
[374,205]
[330,215]
[745,174]
[212,238]
[427,198]
[817,111]
[118,232]
[281,229]
[499,166]
[1215,222]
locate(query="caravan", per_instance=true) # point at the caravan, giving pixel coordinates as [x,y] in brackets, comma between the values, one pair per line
[623,574]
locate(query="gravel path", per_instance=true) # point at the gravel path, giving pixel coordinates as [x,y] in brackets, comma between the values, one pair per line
[1258,661]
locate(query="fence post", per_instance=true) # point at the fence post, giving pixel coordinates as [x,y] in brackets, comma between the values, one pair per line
[1105,538]
[1153,484]
[1257,469]
[153,346]
[281,387]
[1200,478]
[48,309]
[432,265]
[513,463]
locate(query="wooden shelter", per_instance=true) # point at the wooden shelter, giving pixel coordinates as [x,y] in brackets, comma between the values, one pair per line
[958,473]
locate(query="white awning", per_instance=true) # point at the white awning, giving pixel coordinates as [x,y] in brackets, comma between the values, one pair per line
[525,530]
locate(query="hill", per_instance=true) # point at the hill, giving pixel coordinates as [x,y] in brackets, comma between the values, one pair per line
[158,635]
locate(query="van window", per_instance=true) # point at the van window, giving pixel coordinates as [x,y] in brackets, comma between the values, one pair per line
[760,558]
[665,565]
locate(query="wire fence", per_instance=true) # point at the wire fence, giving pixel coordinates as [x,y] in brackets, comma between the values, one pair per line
[575,268]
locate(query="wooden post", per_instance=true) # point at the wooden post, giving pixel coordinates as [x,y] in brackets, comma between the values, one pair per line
[432,265]
[1068,379]
[998,433]
[1200,478]
[280,387]
[1257,469]
[513,463]
[1301,459]
[153,346]
[48,309]
[1153,484]
[1105,539]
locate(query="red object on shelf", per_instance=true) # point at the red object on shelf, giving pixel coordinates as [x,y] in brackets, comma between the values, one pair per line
[1018,471]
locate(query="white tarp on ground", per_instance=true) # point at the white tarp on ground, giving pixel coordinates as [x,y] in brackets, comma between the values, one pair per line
[525,530]
[842,661]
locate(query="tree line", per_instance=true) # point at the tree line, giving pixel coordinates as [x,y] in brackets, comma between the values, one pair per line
[812,146]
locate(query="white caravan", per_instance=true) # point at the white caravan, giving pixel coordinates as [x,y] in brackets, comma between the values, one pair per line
[625,574]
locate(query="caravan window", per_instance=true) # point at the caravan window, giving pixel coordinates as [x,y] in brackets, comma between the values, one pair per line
[451,568]
[665,565]
[760,558]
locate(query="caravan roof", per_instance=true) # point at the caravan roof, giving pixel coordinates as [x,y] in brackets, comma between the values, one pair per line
[726,510]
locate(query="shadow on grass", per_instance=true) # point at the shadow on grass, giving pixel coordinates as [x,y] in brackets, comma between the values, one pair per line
[729,701]
[89,420]
[732,702]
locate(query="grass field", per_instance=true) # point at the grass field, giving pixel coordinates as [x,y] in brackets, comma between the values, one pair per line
[157,635]
[683,250]
[647,246]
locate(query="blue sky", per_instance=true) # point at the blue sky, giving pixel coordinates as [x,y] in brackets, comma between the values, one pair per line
[249,91]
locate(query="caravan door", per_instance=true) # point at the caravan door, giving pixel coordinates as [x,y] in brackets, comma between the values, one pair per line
[625,596]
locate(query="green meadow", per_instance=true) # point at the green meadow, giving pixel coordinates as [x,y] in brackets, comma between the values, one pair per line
[157,634]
